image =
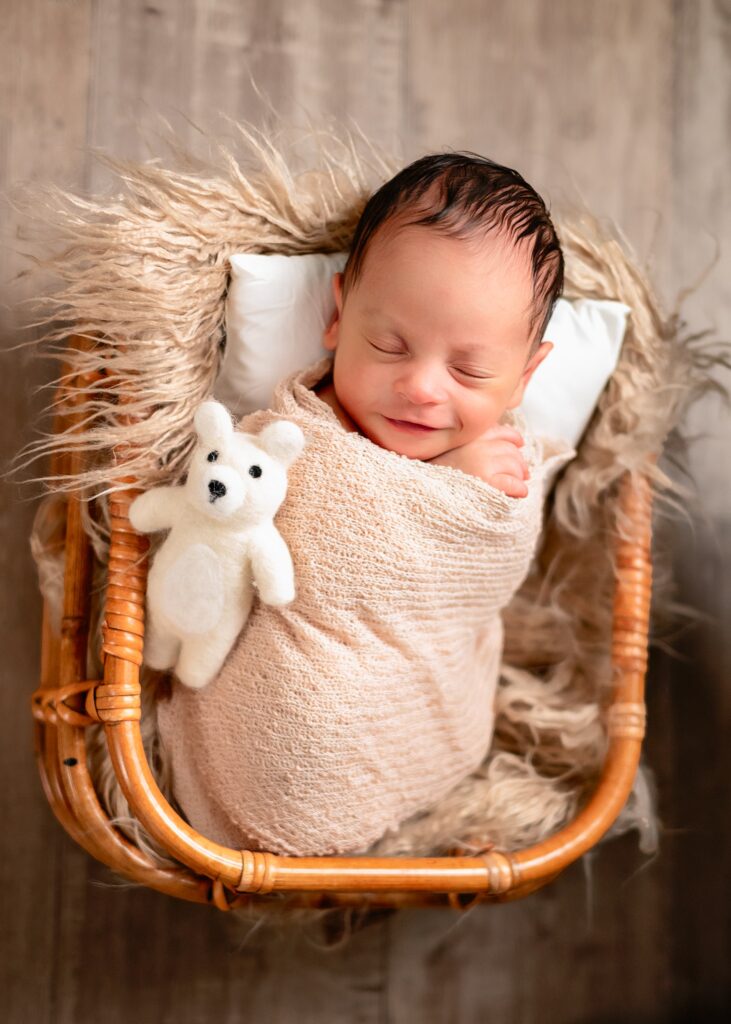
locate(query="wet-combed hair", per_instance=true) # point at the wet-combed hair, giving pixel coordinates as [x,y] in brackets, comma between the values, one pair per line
[466,195]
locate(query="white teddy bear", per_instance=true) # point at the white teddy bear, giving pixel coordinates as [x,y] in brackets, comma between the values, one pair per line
[222,539]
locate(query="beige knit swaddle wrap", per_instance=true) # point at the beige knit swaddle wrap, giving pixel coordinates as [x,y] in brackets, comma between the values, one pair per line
[370,696]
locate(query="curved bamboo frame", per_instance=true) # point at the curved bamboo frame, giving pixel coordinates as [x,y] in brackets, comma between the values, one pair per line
[67,702]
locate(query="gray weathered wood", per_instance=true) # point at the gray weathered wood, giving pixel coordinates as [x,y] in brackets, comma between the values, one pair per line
[44,80]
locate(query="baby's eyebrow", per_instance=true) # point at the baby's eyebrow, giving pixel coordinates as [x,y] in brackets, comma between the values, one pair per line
[469,350]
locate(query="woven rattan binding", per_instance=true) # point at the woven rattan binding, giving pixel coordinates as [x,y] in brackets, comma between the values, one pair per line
[67,702]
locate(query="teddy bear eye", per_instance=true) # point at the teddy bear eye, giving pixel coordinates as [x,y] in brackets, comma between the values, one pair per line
[212,456]
[255,471]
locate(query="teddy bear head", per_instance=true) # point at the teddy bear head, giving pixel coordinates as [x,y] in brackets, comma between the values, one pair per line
[238,477]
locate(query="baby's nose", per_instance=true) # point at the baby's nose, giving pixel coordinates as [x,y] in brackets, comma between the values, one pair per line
[216,489]
[421,386]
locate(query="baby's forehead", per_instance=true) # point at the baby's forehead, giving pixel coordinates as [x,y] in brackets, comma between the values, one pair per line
[427,281]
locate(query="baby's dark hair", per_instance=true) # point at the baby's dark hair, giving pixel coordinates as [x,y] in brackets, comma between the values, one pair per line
[473,195]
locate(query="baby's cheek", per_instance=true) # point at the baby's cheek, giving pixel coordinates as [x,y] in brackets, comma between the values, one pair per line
[478,416]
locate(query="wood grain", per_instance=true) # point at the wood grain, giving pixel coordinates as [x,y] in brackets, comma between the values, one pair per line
[701,199]
[197,62]
[44,81]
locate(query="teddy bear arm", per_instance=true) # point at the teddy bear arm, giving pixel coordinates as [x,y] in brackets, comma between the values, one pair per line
[272,568]
[155,510]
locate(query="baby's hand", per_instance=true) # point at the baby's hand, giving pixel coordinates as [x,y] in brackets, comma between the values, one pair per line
[493,457]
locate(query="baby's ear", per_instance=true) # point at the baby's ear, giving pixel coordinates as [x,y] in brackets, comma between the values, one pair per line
[528,370]
[282,440]
[213,423]
[330,334]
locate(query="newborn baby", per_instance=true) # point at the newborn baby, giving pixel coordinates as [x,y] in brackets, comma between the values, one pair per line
[411,516]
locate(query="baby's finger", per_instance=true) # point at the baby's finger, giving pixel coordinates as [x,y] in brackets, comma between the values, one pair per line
[509,485]
[510,462]
[498,449]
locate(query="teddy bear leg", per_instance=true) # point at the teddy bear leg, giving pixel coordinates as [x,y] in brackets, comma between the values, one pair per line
[201,658]
[161,647]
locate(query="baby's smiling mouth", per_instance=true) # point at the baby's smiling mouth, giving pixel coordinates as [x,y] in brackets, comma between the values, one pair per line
[409,425]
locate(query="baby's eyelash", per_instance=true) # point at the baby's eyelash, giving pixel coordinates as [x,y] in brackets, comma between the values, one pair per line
[399,352]
[474,376]
[386,351]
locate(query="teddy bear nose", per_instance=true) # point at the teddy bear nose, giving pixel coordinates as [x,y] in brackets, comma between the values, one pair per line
[216,489]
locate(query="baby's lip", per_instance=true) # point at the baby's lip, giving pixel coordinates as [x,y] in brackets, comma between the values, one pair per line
[414,423]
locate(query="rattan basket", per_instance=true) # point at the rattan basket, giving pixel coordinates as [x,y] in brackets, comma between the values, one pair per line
[145,276]
[66,703]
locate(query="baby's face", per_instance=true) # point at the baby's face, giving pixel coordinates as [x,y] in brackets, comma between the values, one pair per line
[432,342]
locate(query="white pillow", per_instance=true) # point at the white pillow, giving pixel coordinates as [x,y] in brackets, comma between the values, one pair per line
[279,306]
[276,312]
[587,336]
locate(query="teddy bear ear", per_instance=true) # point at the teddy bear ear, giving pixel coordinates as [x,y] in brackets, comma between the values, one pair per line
[213,422]
[282,440]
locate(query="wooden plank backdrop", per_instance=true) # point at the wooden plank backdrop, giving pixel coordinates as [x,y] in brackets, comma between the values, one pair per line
[624,105]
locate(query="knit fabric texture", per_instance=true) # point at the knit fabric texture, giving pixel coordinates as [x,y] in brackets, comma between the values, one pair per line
[371,696]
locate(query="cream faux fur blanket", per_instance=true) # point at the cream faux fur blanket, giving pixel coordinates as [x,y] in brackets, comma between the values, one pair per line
[372,695]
